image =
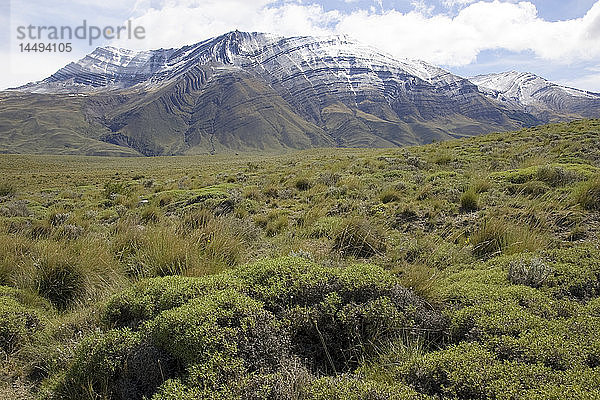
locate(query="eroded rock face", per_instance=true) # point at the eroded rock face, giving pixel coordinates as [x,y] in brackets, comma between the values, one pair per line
[256,91]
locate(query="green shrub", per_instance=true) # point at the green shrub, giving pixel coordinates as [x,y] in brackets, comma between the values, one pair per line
[359,238]
[17,324]
[225,322]
[146,299]
[576,272]
[351,388]
[469,201]
[469,371]
[588,194]
[338,316]
[7,189]
[114,365]
[263,313]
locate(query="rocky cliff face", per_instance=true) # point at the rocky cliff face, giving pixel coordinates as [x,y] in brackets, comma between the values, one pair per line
[254,91]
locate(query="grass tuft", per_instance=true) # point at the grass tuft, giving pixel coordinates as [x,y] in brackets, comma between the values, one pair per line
[359,238]
[588,194]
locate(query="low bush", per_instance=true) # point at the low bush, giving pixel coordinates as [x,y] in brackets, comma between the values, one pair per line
[470,371]
[18,323]
[147,298]
[7,189]
[352,388]
[231,335]
[225,323]
[105,365]
[531,272]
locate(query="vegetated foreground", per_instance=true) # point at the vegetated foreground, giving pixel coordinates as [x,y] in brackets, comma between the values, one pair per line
[467,269]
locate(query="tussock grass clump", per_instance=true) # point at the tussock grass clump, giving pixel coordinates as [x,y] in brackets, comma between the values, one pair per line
[163,253]
[421,279]
[112,189]
[588,194]
[273,223]
[481,185]
[196,219]
[61,280]
[469,201]
[359,238]
[68,272]
[390,195]
[151,214]
[69,232]
[40,229]
[442,157]
[498,236]
[303,184]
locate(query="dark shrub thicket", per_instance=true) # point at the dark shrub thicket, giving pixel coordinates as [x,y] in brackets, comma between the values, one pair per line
[235,335]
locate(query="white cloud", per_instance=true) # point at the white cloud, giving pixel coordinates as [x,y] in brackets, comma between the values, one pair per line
[481,26]
[176,23]
[441,39]
[590,82]
[450,40]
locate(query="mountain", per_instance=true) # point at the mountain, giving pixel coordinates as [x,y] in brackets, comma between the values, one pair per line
[532,94]
[257,92]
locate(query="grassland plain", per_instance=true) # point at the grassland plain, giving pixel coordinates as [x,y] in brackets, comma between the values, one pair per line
[467,269]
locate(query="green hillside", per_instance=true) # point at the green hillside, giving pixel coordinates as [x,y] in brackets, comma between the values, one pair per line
[467,269]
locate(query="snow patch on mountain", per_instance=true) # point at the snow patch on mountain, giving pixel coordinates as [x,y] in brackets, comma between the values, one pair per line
[523,87]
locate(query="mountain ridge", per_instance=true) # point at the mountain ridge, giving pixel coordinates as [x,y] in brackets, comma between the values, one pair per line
[258,92]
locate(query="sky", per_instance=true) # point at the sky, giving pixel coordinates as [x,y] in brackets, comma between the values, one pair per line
[556,39]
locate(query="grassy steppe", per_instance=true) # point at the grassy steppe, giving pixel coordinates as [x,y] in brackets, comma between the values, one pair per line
[467,269]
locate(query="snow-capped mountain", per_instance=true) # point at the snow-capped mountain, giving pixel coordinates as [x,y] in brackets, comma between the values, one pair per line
[255,91]
[530,92]
[113,68]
